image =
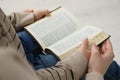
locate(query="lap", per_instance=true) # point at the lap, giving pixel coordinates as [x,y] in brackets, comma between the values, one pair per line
[34,53]
[44,61]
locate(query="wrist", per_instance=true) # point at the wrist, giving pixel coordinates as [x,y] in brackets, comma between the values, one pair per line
[94,76]
[86,55]
[82,53]
[96,71]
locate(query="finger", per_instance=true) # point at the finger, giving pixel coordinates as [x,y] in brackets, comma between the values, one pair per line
[40,14]
[28,10]
[95,49]
[108,53]
[46,12]
[109,45]
[103,48]
[84,44]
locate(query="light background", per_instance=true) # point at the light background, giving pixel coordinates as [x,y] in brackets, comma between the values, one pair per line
[101,13]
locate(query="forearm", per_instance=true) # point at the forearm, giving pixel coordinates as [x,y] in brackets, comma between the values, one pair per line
[21,19]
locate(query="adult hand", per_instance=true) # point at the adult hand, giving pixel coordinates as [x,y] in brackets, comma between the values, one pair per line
[39,14]
[84,48]
[100,59]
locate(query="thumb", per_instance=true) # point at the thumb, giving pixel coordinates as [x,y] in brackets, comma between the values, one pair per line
[40,14]
[85,43]
[28,10]
[45,12]
[94,50]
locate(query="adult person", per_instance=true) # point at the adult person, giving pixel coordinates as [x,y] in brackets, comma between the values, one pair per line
[64,70]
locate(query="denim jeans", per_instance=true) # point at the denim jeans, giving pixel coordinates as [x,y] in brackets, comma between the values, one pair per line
[39,60]
[34,53]
[113,72]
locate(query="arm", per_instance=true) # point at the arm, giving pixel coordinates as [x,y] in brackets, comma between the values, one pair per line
[12,62]
[21,19]
[71,68]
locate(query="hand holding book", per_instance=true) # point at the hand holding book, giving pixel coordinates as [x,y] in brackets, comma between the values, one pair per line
[100,58]
[40,14]
[61,33]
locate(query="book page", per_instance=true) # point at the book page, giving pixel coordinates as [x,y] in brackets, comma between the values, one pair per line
[73,40]
[52,29]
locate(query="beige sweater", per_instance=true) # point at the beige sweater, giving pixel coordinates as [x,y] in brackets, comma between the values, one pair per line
[71,68]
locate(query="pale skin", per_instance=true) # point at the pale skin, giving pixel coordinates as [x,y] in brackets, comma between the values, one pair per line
[38,14]
[99,59]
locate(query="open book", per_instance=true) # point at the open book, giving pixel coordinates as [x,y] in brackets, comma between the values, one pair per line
[61,33]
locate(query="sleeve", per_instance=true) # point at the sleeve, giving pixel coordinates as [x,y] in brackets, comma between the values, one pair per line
[94,76]
[21,19]
[71,68]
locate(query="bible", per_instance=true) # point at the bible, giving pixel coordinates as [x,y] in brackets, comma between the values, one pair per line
[61,33]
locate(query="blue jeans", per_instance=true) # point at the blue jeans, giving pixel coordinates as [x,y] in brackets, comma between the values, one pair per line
[34,53]
[39,60]
[113,72]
